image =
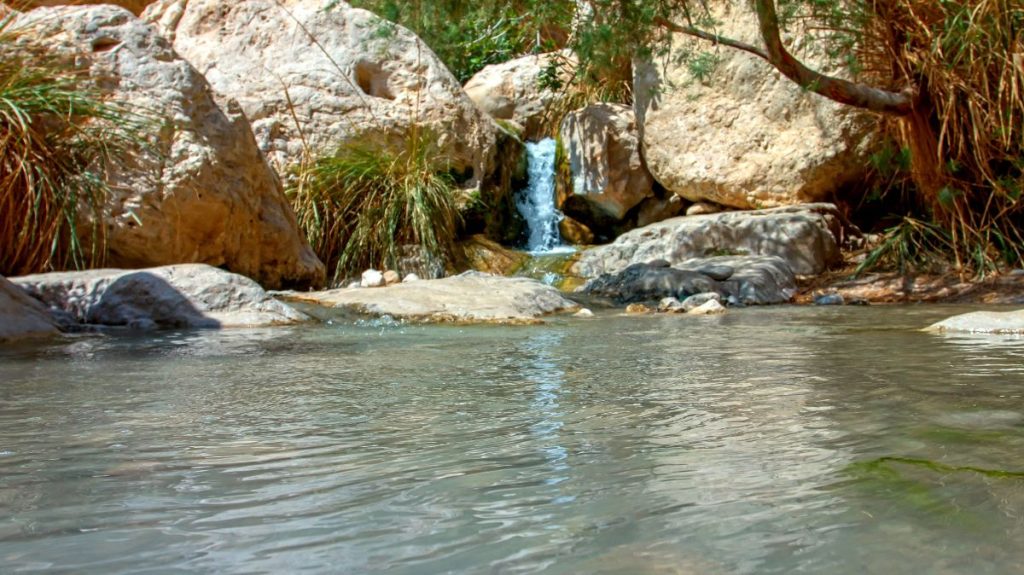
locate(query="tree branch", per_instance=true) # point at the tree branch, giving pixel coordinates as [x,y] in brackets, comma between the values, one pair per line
[836,89]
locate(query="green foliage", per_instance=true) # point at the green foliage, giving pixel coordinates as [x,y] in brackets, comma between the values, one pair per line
[467,36]
[362,206]
[57,138]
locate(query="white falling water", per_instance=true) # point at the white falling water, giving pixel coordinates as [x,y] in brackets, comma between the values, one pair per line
[537,202]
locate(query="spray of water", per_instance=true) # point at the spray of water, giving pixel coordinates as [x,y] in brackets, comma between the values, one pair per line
[536,203]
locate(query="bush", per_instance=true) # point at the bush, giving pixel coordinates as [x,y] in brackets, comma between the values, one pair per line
[362,206]
[57,136]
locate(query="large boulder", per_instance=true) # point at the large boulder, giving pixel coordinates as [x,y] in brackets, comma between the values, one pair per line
[744,136]
[515,90]
[316,73]
[1006,322]
[471,297]
[188,295]
[198,189]
[136,6]
[21,316]
[609,176]
[806,237]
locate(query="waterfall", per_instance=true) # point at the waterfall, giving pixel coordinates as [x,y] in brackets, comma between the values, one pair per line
[537,202]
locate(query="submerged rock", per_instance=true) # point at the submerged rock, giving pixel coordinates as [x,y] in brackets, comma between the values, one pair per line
[471,297]
[697,300]
[198,189]
[806,237]
[21,316]
[756,280]
[188,295]
[1007,322]
[710,307]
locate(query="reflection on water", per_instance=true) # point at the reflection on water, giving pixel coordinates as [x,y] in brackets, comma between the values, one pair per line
[772,440]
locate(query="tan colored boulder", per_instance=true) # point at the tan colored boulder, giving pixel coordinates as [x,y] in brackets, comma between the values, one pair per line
[199,191]
[514,90]
[22,316]
[608,170]
[318,73]
[747,137]
[136,6]
[993,322]
[471,297]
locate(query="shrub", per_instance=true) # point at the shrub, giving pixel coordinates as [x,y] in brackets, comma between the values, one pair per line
[362,206]
[57,136]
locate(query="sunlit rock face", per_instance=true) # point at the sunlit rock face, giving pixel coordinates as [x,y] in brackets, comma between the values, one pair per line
[726,127]
[311,74]
[197,189]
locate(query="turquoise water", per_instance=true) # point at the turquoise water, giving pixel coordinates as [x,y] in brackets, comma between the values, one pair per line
[775,440]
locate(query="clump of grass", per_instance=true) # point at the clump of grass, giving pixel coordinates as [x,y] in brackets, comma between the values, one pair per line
[57,136]
[910,246]
[363,205]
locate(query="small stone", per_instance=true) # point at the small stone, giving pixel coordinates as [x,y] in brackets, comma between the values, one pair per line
[410,278]
[584,312]
[829,299]
[670,305]
[372,278]
[391,277]
[637,308]
[702,208]
[353,285]
[710,307]
[695,301]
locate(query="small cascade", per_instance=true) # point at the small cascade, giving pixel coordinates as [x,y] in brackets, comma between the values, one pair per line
[537,202]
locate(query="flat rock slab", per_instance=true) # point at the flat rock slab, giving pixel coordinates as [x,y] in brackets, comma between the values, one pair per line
[178,296]
[472,297]
[21,316]
[752,280]
[806,237]
[1006,322]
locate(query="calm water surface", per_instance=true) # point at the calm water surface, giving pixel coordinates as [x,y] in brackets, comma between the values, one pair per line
[776,440]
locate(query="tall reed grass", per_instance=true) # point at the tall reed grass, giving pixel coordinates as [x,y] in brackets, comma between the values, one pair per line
[57,137]
[363,205]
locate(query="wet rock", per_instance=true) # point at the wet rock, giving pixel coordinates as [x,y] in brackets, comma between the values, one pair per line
[829,299]
[670,305]
[695,301]
[710,307]
[471,297]
[584,312]
[1009,322]
[805,237]
[637,309]
[756,280]
[371,278]
[22,316]
[717,272]
[179,296]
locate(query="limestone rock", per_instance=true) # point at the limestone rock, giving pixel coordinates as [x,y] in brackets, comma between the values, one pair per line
[584,312]
[747,137]
[471,297]
[21,316]
[200,191]
[1008,322]
[179,296]
[757,280]
[655,209]
[338,72]
[371,278]
[637,309]
[710,307]
[136,6]
[703,208]
[697,300]
[391,277]
[514,90]
[805,237]
[608,170]
[410,278]
[670,305]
